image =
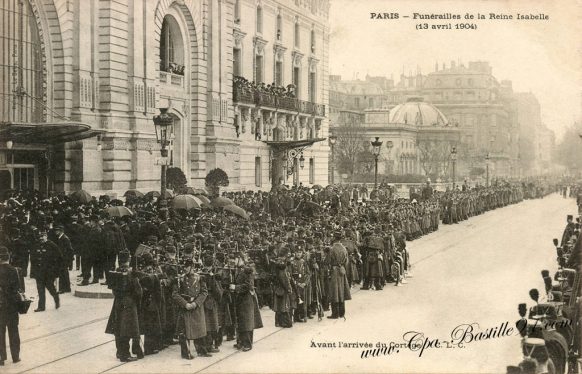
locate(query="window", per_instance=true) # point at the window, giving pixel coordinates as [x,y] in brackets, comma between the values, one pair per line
[237,12]
[297,80]
[311,170]
[370,103]
[357,102]
[470,82]
[279,73]
[312,87]
[236,61]
[438,82]
[312,41]
[297,41]
[258,177]
[259,20]
[25,61]
[458,82]
[279,28]
[171,47]
[258,69]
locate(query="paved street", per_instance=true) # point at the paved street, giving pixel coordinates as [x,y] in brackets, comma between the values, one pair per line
[473,272]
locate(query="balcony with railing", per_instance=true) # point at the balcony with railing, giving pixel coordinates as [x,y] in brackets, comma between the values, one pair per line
[246,92]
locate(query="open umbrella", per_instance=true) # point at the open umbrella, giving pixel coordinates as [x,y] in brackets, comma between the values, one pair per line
[317,187]
[118,211]
[152,194]
[204,199]
[221,202]
[195,191]
[81,196]
[133,193]
[186,202]
[236,210]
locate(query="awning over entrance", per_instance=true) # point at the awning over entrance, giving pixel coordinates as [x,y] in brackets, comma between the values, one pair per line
[292,144]
[46,132]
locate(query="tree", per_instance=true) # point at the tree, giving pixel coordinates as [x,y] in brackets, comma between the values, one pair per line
[435,156]
[568,149]
[351,145]
[216,178]
[175,178]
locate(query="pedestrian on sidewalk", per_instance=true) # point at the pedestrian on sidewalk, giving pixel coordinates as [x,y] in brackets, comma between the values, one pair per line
[9,286]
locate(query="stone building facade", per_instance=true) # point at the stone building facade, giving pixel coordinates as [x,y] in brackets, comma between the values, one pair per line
[112,64]
[491,117]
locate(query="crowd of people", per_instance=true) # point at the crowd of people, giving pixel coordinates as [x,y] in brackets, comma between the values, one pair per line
[271,89]
[197,277]
[555,349]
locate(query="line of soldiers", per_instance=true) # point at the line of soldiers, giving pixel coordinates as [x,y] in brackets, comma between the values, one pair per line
[303,259]
[182,299]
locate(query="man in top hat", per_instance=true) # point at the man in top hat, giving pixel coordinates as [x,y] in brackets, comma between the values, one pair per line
[64,243]
[568,230]
[9,286]
[46,262]
[339,290]
[123,321]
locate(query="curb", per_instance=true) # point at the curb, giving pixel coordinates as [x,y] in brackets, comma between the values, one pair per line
[93,295]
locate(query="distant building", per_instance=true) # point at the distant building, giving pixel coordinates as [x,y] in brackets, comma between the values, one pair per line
[492,119]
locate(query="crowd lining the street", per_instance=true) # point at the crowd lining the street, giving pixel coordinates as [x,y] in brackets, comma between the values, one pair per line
[199,276]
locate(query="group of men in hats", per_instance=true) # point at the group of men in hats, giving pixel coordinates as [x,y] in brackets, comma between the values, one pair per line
[197,277]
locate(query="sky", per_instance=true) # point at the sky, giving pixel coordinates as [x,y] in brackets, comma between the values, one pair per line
[542,57]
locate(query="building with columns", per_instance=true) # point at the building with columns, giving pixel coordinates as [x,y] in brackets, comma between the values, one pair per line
[492,118]
[82,80]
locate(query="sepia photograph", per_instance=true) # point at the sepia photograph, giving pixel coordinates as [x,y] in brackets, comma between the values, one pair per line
[291,186]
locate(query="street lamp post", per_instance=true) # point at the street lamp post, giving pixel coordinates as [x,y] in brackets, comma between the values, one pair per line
[376,145]
[454,159]
[487,166]
[164,124]
[332,139]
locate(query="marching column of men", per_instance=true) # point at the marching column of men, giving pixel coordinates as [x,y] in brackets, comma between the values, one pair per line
[171,302]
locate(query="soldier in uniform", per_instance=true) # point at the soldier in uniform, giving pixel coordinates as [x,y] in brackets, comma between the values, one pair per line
[189,294]
[339,290]
[248,317]
[282,301]
[211,305]
[373,265]
[123,320]
[298,271]
[46,262]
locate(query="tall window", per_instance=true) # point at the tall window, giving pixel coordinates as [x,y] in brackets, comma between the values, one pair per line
[297,40]
[312,170]
[237,12]
[259,20]
[279,28]
[236,61]
[279,73]
[312,87]
[259,68]
[297,80]
[258,177]
[21,64]
[171,47]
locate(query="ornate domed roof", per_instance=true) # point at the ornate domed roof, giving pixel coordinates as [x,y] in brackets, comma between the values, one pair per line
[416,112]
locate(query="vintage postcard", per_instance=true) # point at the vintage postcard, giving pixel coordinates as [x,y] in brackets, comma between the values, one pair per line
[291,186]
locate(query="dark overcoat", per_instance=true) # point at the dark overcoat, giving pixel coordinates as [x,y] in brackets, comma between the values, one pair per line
[246,304]
[339,289]
[212,304]
[282,285]
[123,319]
[191,323]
